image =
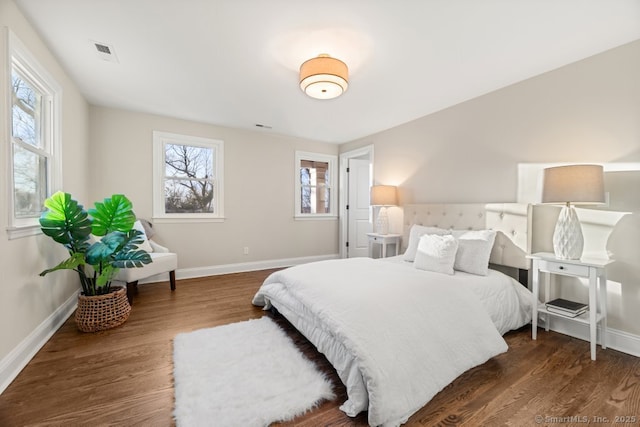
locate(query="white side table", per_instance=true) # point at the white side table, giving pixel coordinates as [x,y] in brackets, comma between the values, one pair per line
[384,240]
[590,268]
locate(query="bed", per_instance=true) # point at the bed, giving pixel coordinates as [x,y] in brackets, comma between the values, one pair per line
[398,333]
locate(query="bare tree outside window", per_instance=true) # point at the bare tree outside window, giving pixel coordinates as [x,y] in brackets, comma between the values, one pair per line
[29,158]
[189,179]
[34,162]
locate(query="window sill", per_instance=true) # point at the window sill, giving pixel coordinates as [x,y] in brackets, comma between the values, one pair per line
[20,232]
[315,217]
[183,220]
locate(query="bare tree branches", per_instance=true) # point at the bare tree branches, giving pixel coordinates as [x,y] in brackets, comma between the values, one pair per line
[189,182]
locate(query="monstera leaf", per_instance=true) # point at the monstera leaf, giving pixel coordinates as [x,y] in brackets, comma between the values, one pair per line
[65,221]
[130,259]
[103,250]
[76,260]
[114,251]
[115,213]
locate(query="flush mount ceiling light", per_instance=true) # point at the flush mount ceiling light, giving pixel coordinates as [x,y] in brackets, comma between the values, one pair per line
[324,77]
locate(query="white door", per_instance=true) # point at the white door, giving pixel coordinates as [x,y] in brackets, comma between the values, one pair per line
[358,211]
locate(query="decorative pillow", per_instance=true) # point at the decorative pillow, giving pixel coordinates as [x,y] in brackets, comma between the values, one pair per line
[474,251]
[148,228]
[436,253]
[145,245]
[415,233]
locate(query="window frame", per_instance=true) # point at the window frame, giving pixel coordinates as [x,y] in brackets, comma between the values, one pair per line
[160,140]
[333,197]
[29,68]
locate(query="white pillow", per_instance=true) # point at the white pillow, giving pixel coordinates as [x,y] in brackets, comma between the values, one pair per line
[145,245]
[415,233]
[436,253]
[474,251]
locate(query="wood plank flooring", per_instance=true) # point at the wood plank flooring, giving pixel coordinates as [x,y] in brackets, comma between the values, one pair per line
[124,376]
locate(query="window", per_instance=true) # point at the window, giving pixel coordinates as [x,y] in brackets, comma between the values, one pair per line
[315,185]
[188,176]
[34,156]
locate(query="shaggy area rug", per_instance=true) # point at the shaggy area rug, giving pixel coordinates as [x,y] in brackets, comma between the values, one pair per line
[243,374]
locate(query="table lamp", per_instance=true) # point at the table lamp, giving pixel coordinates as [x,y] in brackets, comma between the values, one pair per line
[571,185]
[383,196]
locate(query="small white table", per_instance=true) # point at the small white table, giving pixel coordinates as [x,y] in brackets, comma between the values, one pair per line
[590,268]
[384,240]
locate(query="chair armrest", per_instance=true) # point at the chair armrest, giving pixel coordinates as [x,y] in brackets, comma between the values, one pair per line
[158,248]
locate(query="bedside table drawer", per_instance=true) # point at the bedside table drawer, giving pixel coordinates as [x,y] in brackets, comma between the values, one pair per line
[570,269]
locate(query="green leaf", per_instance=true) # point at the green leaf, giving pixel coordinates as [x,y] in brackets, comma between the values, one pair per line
[71,263]
[104,279]
[114,213]
[132,259]
[134,238]
[103,250]
[65,221]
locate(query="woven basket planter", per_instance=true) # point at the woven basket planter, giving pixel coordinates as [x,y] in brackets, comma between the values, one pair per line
[100,312]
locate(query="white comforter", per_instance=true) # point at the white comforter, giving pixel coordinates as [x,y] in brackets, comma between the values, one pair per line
[395,335]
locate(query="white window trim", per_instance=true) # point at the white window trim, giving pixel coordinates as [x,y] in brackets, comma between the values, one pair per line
[160,139]
[18,54]
[333,197]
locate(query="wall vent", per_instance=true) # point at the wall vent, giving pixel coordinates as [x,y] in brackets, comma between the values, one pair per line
[104,51]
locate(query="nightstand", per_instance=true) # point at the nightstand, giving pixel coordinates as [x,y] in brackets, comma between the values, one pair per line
[384,240]
[588,268]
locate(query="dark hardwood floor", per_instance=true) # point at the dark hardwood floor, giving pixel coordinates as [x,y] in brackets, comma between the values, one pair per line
[124,376]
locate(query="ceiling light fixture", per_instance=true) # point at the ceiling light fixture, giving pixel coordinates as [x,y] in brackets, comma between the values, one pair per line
[324,77]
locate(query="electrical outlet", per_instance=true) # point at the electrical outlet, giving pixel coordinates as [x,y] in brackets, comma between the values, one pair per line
[245,250]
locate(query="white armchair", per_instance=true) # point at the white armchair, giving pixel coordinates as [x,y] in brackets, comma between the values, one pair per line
[163,261]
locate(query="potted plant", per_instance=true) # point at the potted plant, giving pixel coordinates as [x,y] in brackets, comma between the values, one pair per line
[96,260]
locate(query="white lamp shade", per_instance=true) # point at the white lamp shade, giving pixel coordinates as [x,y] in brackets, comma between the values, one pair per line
[324,77]
[384,195]
[576,184]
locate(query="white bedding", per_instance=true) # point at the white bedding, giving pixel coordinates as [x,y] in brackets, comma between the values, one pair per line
[396,335]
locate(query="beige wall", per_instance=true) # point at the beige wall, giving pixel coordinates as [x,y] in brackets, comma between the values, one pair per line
[27,299]
[588,111]
[258,189]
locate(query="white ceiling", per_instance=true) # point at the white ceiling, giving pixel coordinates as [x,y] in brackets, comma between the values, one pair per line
[235,62]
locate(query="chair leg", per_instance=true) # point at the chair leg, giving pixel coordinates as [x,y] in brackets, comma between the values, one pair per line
[132,288]
[172,279]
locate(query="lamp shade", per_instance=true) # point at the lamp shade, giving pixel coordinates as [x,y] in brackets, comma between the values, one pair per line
[324,77]
[384,195]
[576,184]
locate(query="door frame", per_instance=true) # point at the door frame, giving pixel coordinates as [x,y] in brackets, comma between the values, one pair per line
[366,151]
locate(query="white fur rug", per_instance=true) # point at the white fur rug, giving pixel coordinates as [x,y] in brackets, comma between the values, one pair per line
[243,374]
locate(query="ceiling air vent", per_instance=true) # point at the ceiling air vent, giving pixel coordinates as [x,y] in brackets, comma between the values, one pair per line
[105,51]
[103,48]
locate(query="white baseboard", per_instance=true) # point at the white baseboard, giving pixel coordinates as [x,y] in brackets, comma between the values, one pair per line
[617,340]
[215,270]
[17,359]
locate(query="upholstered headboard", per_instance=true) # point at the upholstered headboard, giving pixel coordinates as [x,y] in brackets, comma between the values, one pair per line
[512,221]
